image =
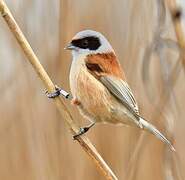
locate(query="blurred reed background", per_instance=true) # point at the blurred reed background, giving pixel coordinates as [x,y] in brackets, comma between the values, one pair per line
[35,143]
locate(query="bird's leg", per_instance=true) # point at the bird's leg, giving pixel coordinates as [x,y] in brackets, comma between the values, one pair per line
[58,91]
[83,130]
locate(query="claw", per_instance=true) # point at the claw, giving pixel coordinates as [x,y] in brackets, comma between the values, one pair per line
[58,91]
[55,93]
[83,130]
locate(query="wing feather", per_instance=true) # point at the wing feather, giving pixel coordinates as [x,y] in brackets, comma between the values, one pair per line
[121,91]
[117,86]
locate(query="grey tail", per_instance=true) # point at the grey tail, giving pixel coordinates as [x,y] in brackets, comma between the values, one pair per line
[152,129]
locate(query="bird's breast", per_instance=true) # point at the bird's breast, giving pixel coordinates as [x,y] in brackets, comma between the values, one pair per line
[94,98]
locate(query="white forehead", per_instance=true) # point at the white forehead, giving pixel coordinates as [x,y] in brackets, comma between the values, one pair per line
[87,33]
[105,45]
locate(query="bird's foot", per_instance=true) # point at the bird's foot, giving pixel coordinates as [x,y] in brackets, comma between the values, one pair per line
[58,91]
[83,130]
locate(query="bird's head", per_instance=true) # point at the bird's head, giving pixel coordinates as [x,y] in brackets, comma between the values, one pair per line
[89,42]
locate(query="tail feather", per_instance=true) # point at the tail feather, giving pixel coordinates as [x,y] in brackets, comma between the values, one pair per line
[152,129]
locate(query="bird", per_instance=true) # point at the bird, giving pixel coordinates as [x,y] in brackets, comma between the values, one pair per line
[99,87]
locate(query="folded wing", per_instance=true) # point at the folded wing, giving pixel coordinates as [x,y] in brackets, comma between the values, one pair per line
[121,91]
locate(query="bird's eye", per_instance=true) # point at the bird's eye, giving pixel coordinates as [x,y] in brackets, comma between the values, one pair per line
[85,43]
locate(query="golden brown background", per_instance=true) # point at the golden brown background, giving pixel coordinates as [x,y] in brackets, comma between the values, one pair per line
[35,144]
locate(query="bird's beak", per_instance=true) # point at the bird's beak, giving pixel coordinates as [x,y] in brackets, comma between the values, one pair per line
[69,47]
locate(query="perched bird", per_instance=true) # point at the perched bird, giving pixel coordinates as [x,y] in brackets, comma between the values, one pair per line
[99,86]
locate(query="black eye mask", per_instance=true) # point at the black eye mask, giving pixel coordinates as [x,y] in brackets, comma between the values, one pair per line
[91,43]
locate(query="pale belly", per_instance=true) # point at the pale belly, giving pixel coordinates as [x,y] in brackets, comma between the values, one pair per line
[94,98]
[96,102]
